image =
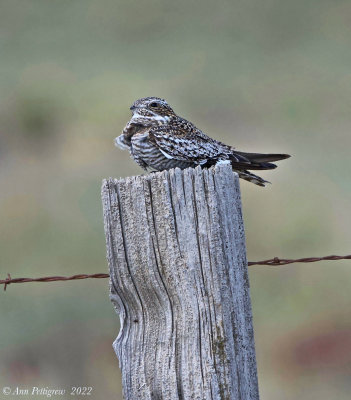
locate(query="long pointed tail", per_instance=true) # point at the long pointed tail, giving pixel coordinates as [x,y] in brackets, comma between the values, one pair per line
[248,176]
[242,162]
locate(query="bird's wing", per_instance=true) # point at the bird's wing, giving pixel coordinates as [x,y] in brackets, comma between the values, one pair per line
[123,142]
[181,140]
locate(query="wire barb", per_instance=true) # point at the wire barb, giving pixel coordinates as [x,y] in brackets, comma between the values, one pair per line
[281,261]
[9,280]
[276,261]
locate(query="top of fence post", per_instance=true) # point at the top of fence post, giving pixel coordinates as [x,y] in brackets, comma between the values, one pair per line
[179,281]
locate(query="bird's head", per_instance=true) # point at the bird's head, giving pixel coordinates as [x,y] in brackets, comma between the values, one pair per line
[151,110]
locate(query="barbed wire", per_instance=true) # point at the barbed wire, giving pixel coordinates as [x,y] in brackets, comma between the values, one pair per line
[276,261]
[282,261]
[9,279]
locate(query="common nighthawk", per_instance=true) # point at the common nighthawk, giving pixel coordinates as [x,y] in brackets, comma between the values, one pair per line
[159,139]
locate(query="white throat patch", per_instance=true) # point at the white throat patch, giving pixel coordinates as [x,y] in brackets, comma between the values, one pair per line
[155,117]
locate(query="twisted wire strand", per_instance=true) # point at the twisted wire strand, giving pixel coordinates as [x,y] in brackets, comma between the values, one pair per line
[282,261]
[276,261]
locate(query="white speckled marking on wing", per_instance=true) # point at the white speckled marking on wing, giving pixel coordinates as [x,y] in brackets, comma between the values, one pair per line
[166,154]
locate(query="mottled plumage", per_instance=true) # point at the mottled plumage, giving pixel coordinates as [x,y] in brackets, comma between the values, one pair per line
[159,139]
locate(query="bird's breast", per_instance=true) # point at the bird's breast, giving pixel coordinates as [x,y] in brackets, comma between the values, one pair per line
[143,150]
[142,147]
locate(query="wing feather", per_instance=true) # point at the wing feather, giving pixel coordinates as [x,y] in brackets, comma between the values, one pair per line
[181,140]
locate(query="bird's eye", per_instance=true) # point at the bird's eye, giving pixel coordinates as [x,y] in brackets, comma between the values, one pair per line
[153,104]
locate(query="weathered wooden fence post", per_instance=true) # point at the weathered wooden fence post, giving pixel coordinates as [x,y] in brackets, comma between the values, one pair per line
[179,282]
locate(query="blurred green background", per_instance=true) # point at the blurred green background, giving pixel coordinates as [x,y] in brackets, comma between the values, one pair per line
[272,76]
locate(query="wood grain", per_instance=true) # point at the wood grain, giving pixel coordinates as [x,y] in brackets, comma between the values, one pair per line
[179,282]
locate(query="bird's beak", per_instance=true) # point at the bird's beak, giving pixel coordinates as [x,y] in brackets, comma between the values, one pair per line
[132,108]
